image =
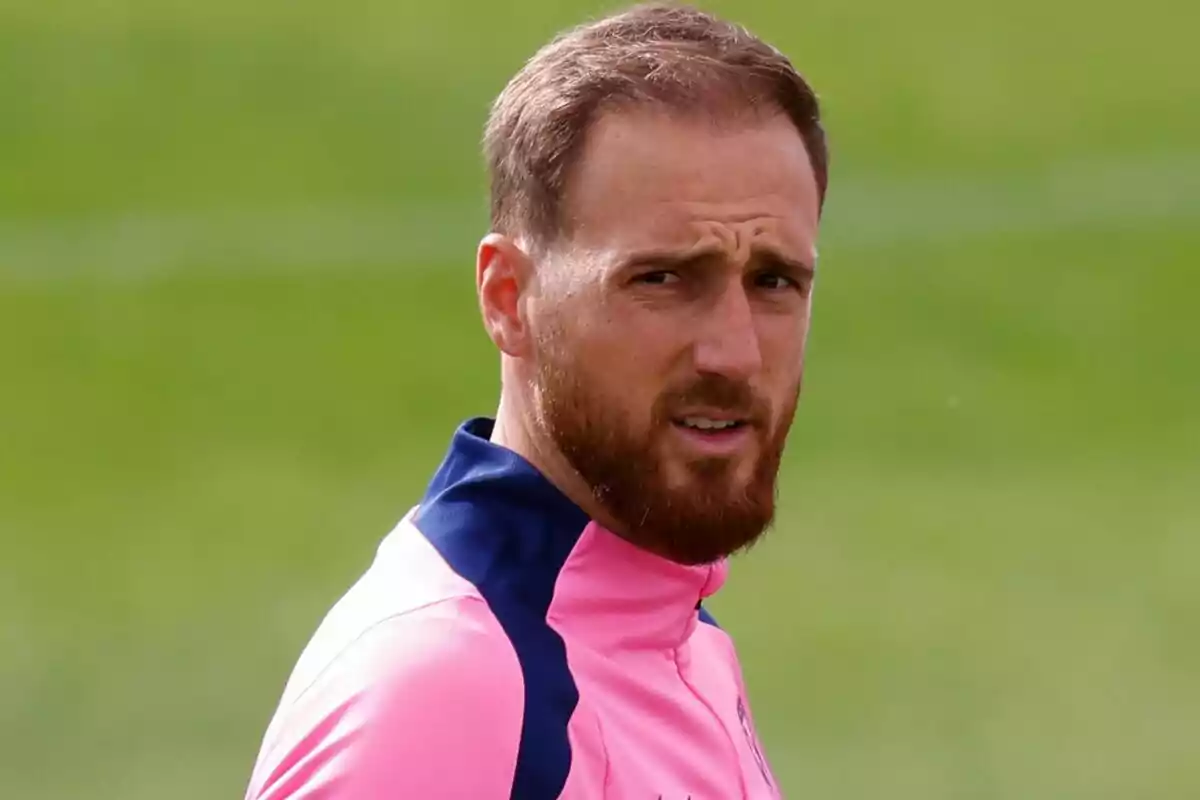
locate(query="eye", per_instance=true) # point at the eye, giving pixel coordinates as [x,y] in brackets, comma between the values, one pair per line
[659,277]
[774,281]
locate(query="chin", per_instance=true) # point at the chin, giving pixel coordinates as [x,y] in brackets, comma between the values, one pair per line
[686,481]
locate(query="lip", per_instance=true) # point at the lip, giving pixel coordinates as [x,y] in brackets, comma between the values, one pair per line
[715,443]
[717,415]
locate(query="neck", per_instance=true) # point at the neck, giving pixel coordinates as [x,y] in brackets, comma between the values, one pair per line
[517,430]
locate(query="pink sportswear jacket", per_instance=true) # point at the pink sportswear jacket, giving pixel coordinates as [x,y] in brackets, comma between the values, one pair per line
[503,645]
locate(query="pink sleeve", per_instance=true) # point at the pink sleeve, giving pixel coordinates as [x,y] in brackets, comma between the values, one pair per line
[425,705]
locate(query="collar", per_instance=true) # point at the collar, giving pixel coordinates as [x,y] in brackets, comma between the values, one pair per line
[501,524]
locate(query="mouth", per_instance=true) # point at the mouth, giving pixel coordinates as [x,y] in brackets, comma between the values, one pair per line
[705,424]
[713,435]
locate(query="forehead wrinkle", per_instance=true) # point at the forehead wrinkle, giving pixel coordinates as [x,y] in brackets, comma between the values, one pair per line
[616,207]
[754,236]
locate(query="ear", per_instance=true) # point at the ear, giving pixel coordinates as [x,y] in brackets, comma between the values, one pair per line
[503,278]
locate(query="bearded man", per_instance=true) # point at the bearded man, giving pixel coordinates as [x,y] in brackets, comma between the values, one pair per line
[534,627]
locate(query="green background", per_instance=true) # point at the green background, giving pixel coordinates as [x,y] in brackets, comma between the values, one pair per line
[237,327]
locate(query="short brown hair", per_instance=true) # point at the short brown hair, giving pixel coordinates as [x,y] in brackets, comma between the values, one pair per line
[663,54]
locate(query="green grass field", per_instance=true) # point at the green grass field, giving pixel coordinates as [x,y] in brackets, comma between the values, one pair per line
[237,327]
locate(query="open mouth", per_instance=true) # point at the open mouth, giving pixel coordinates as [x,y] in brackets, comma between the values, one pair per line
[713,436]
[708,425]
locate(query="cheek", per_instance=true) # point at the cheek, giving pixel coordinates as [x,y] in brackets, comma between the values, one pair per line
[626,376]
[783,341]
[783,357]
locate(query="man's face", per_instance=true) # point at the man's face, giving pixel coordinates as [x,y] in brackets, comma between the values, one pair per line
[671,324]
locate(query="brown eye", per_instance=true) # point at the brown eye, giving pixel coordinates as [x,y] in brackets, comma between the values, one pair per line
[657,278]
[774,281]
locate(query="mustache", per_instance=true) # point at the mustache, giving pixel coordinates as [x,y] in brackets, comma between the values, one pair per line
[716,392]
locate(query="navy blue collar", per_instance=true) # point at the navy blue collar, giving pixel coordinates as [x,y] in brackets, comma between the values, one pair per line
[490,507]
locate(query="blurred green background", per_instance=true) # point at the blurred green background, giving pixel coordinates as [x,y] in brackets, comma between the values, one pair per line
[237,327]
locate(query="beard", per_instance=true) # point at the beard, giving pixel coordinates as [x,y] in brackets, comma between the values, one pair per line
[713,513]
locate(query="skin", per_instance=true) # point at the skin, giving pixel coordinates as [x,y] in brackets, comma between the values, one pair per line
[681,287]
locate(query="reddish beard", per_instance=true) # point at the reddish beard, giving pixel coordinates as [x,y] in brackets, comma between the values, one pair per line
[711,516]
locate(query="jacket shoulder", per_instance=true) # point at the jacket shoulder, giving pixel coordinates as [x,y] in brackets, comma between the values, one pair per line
[399,710]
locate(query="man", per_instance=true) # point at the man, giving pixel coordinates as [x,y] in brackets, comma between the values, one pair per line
[533,628]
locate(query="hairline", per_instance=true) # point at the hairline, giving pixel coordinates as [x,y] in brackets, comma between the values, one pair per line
[733,115]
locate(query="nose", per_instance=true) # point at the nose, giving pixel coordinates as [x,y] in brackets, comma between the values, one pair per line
[727,342]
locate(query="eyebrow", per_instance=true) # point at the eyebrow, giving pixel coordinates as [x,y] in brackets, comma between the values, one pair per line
[684,259]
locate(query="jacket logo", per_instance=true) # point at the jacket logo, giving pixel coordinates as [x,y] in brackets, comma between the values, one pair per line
[752,740]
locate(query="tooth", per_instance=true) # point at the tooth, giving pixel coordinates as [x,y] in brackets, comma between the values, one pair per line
[707,424]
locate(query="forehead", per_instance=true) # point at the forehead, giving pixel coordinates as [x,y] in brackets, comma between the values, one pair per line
[652,178]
